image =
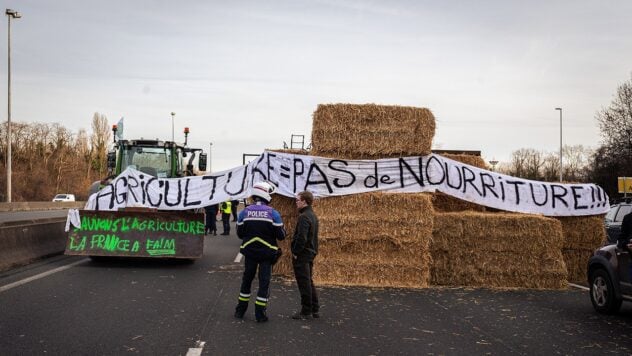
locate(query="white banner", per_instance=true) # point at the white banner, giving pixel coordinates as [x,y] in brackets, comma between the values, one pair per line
[332,177]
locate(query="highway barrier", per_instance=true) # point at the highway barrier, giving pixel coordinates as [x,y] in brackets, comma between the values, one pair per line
[41,205]
[24,241]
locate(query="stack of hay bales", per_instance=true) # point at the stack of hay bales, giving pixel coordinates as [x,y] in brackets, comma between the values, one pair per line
[362,242]
[385,239]
[446,203]
[369,239]
[497,250]
[582,235]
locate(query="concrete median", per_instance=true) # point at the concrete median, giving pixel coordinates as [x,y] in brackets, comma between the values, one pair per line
[24,241]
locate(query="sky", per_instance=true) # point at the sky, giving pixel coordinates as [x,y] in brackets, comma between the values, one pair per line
[246,75]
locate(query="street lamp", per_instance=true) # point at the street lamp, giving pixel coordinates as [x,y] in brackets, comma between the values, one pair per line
[15,15]
[210,155]
[173,114]
[493,162]
[560,109]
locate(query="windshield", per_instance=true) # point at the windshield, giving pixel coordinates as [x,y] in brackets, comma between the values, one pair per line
[155,161]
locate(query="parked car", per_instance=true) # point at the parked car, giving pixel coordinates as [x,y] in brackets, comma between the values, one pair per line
[64,197]
[614,218]
[609,278]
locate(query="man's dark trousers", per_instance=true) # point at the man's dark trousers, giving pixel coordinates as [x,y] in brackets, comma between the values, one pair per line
[309,298]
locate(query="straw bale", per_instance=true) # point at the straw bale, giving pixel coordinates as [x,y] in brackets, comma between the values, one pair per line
[582,235]
[583,232]
[295,151]
[379,250]
[392,229]
[496,232]
[497,250]
[472,160]
[371,131]
[370,274]
[576,264]
[446,203]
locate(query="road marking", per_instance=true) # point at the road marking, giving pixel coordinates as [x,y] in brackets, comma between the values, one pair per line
[41,275]
[238,258]
[578,286]
[197,350]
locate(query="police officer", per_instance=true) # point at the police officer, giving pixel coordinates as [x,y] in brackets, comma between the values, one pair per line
[259,226]
[226,210]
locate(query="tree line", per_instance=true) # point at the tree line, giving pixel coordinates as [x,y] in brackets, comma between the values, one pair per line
[48,159]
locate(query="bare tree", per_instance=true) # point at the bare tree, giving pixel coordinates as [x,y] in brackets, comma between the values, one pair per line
[99,140]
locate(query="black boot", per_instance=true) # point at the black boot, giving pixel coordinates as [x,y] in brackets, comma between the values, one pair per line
[260,314]
[240,310]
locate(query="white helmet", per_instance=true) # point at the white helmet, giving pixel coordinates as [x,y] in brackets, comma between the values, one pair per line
[262,190]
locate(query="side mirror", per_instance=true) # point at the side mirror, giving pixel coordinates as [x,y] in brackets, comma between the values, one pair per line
[202,162]
[111,160]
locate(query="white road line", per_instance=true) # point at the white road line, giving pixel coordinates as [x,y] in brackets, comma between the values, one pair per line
[578,286]
[41,275]
[238,258]
[197,350]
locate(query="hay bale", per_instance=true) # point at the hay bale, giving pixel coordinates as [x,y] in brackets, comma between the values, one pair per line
[472,160]
[371,131]
[368,274]
[582,235]
[576,264]
[446,203]
[497,250]
[583,232]
[384,230]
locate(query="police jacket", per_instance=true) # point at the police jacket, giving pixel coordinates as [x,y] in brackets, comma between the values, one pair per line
[259,227]
[305,239]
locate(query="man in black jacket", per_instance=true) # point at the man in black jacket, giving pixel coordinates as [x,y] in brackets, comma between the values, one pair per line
[304,250]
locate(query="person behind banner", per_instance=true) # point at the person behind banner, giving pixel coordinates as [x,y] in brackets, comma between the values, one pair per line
[226,211]
[234,204]
[259,226]
[210,212]
[623,240]
[304,250]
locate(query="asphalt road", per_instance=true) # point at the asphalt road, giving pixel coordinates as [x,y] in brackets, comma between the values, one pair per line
[158,307]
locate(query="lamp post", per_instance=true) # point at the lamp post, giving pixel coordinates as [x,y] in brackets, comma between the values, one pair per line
[173,114]
[493,162]
[560,109]
[210,155]
[15,15]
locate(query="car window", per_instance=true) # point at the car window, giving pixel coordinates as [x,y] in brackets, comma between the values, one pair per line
[60,196]
[623,211]
[611,213]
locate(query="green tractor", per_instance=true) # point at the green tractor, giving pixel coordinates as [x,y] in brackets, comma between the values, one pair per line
[141,231]
[161,159]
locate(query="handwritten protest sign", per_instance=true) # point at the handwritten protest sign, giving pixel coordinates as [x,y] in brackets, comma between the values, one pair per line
[137,234]
[333,177]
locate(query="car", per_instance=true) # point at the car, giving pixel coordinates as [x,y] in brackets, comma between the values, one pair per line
[609,278]
[64,197]
[613,220]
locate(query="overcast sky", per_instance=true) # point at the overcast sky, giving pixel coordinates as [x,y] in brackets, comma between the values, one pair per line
[246,75]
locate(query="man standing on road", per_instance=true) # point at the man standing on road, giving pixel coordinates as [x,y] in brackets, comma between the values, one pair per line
[234,204]
[304,250]
[210,212]
[226,210]
[259,226]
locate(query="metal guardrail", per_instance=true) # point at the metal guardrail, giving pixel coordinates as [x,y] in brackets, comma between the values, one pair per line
[40,205]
